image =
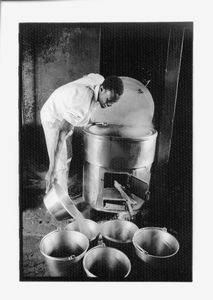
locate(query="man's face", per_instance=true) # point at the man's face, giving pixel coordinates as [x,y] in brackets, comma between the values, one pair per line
[106,97]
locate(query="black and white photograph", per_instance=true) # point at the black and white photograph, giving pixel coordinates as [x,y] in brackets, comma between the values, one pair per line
[105,182]
[106,153]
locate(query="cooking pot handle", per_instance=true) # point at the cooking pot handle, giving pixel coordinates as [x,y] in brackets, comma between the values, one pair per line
[71,258]
[141,249]
[164,229]
[100,241]
[100,246]
[60,226]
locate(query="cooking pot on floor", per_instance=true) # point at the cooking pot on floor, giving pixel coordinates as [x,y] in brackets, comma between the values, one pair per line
[106,263]
[90,228]
[118,234]
[155,246]
[63,252]
[60,205]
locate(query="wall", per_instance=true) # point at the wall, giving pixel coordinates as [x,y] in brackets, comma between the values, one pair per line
[27,81]
[52,55]
[138,50]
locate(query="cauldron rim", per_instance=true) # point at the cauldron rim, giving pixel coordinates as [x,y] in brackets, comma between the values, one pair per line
[118,138]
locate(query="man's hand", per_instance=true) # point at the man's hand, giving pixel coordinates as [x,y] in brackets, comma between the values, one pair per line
[50,179]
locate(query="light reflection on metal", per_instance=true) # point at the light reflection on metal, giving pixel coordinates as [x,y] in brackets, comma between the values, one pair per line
[111,154]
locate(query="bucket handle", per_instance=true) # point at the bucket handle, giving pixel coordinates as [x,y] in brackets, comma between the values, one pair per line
[164,229]
[141,249]
[71,258]
[100,246]
[100,240]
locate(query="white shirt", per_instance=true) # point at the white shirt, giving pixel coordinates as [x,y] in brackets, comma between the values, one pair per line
[74,101]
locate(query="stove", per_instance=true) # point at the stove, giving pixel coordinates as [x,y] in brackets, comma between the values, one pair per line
[113,154]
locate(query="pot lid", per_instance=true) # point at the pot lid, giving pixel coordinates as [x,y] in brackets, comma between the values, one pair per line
[136,106]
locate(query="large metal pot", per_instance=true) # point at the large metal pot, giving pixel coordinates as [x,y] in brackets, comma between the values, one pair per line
[59,204]
[90,228]
[116,151]
[106,263]
[155,246]
[63,251]
[119,234]
[118,147]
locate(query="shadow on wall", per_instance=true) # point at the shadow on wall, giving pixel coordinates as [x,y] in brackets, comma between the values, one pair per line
[34,163]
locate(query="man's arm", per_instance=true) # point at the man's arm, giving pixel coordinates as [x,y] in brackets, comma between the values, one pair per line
[60,137]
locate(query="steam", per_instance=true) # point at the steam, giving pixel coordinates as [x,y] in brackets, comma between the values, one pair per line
[126,131]
[134,109]
[117,232]
[135,131]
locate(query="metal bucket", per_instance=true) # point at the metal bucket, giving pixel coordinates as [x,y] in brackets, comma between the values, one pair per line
[111,148]
[119,234]
[63,251]
[59,204]
[155,246]
[92,230]
[106,263]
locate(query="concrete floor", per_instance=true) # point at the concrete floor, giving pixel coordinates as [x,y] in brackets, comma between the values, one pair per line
[36,222]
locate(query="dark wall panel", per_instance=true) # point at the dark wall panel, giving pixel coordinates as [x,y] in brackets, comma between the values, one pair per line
[137,50]
[52,55]
[27,88]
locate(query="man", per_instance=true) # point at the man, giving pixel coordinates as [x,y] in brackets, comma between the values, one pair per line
[68,106]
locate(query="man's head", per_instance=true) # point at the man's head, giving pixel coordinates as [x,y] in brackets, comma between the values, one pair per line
[110,91]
